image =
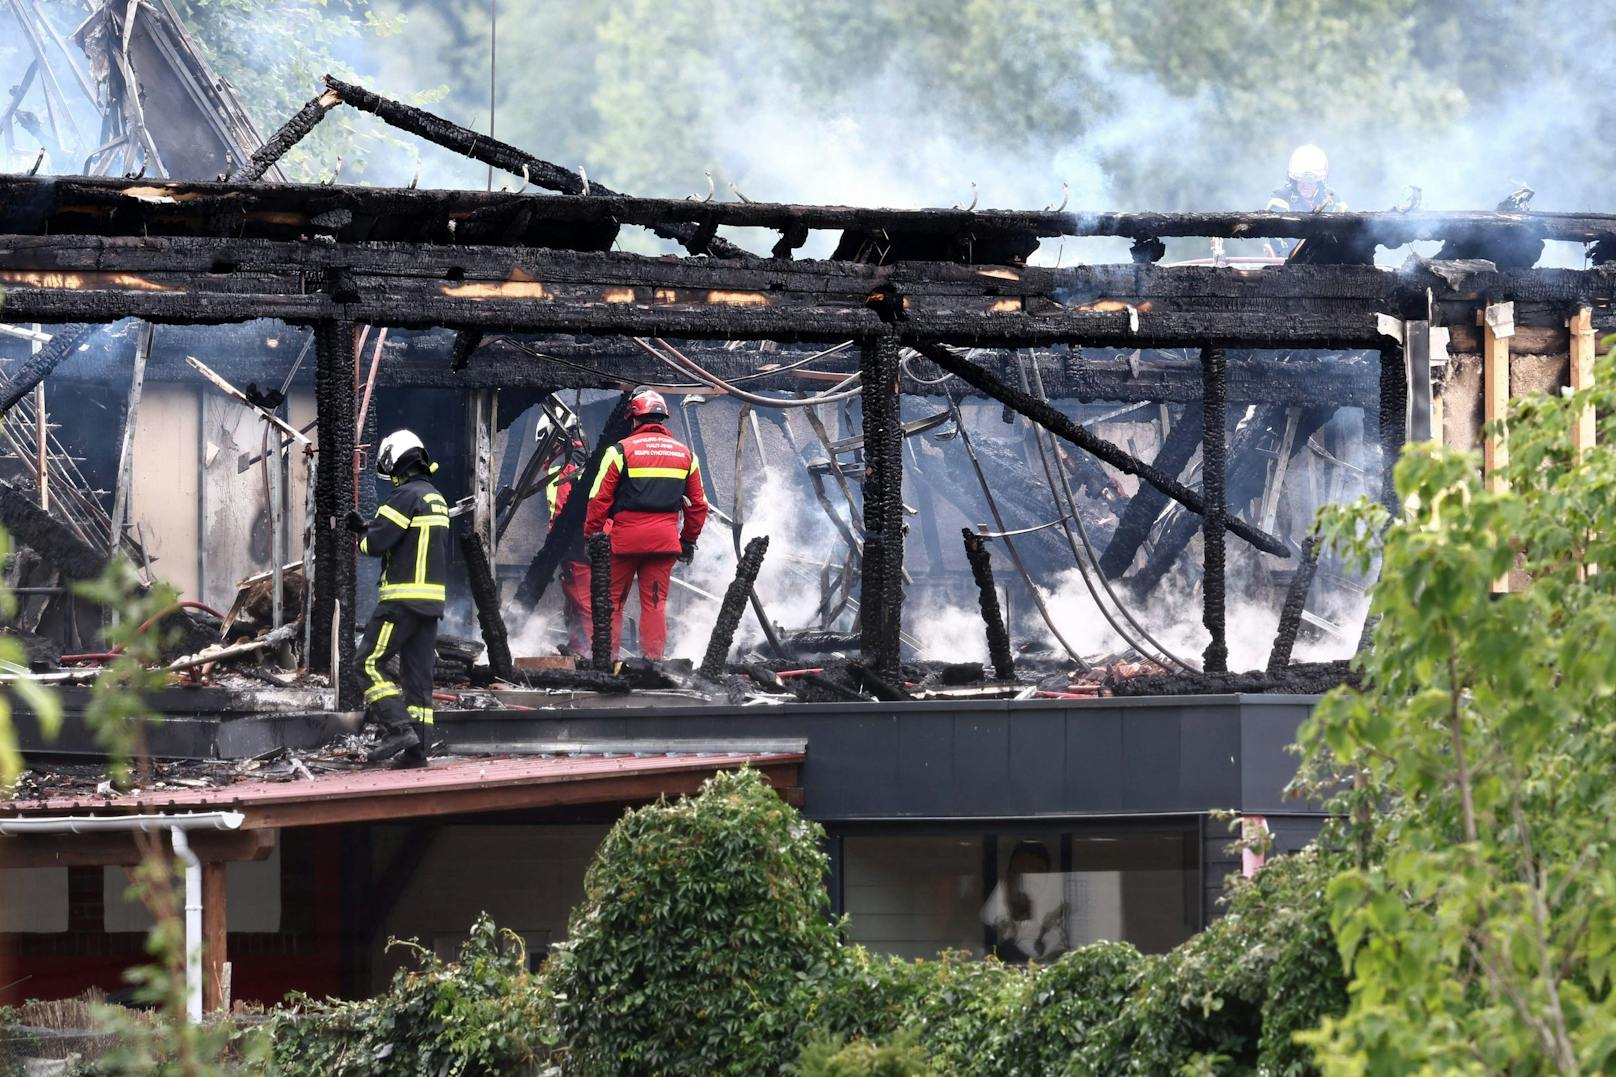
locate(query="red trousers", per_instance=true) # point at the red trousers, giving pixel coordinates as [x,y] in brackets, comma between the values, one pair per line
[654,571]
[575,592]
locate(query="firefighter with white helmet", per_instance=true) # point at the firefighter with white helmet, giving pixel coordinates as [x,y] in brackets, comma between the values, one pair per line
[1304,190]
[410,533]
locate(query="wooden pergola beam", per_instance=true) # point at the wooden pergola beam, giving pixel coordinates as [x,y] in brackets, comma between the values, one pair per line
[111,849]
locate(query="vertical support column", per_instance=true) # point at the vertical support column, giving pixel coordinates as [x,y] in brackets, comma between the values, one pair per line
[881,584]
[215,935]
[1393,420]
[123,484]
[1214,474]
[332,616]
[274,465]
[1581,325]
[482,418]
[1497,326]
[1421,422]
[41,443]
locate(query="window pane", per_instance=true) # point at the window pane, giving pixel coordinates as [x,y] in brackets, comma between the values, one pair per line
[914,896]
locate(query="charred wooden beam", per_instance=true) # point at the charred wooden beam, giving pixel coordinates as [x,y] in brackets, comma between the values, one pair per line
[1393,421]
[485,596]
[333,609]
[881,578]
[52,540]
[1046,416]
[1214,471]
[981,562]
[491,151]
[570,522]
[64,343]
[600,600]
[290,134]
[1146,505]
[734,605]
[465,342]
[1290,615]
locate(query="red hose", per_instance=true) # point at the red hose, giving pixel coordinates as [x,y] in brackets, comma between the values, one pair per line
[799,672]
[108,656]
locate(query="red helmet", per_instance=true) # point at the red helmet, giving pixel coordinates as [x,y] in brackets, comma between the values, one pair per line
[647,404]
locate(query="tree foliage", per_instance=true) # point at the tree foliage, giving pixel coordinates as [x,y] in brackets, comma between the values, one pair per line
[1479,922]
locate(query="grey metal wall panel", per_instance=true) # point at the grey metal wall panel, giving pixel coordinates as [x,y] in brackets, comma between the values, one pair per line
[1209,755]
[926,760]
[1093,757]
[1150,762]
[982,763]
[1038,759]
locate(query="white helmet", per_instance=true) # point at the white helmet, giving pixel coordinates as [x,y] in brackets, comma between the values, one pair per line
[1308,163]
[394,447]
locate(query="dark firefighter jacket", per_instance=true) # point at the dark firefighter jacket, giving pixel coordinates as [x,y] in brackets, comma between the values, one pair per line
[560,485]
[411,535]
[643,483]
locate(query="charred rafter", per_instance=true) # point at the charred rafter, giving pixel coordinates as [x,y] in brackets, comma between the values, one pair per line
[1052,420]
[290,134]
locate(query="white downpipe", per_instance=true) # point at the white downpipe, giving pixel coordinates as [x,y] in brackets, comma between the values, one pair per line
[176,825]
[193,923]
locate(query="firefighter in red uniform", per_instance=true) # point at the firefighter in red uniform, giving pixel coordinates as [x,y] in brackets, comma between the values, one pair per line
[643,483]
[559,483]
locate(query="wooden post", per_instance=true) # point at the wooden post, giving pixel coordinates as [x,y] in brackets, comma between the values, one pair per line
[215,934]
[1281,466]
[123,485]
[332,642]
[1214,473]
[881,576]
[275,464]
[41,434]
[1581,325]
[482,412]
[1498,325]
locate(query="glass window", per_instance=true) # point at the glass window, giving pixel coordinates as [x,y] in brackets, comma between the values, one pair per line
[1021,894]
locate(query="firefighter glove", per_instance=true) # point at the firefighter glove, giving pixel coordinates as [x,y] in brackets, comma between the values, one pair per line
[356,522]
[687,551]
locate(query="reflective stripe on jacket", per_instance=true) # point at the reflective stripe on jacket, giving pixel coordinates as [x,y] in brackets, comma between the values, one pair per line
[643,483]
[411,535]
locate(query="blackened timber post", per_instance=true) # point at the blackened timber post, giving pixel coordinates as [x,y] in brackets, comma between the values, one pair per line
[333,609]
[1214,471]
[881,583]
[1393,421]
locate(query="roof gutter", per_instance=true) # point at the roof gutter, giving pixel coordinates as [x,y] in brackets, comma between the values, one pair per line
[176,825]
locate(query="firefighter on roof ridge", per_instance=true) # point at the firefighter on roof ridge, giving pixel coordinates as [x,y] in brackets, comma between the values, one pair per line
[643,484]
[410,533]
[1304,191]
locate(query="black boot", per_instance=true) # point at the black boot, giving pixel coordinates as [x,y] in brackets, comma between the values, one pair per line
[396,739]
[416,756]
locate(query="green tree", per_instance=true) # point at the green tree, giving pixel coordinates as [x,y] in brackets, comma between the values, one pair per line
[1479,924]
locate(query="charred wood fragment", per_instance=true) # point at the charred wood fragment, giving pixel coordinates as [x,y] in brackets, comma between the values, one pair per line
[465,342]
[1393,421]
[1142,510]
[600,599]
[491,151]
[1290,616]
[1214,472]
[566,527]
[333,607]
[290,134]
[485,596]
[63,344]
[1052,420]
[881,582]
[587,680]
[47,536]
[868,680]
[981,561]
[733,606]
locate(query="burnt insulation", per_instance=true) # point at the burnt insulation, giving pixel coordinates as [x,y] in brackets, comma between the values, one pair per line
[733,606]
[981,561]
[333,497]
[1290,615]
[1142,510]
[600,597]
[485,596]
[571,521]
[63,343]
[1056,423]
[881,581]
[501,155]
[290,134]
[47,536]
[1214,473]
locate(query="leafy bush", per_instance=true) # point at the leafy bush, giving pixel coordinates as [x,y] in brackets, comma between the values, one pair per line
[830,1057]
[703,929]
[480,1015]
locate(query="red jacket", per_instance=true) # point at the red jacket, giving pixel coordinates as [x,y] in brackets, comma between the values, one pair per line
[643,483]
